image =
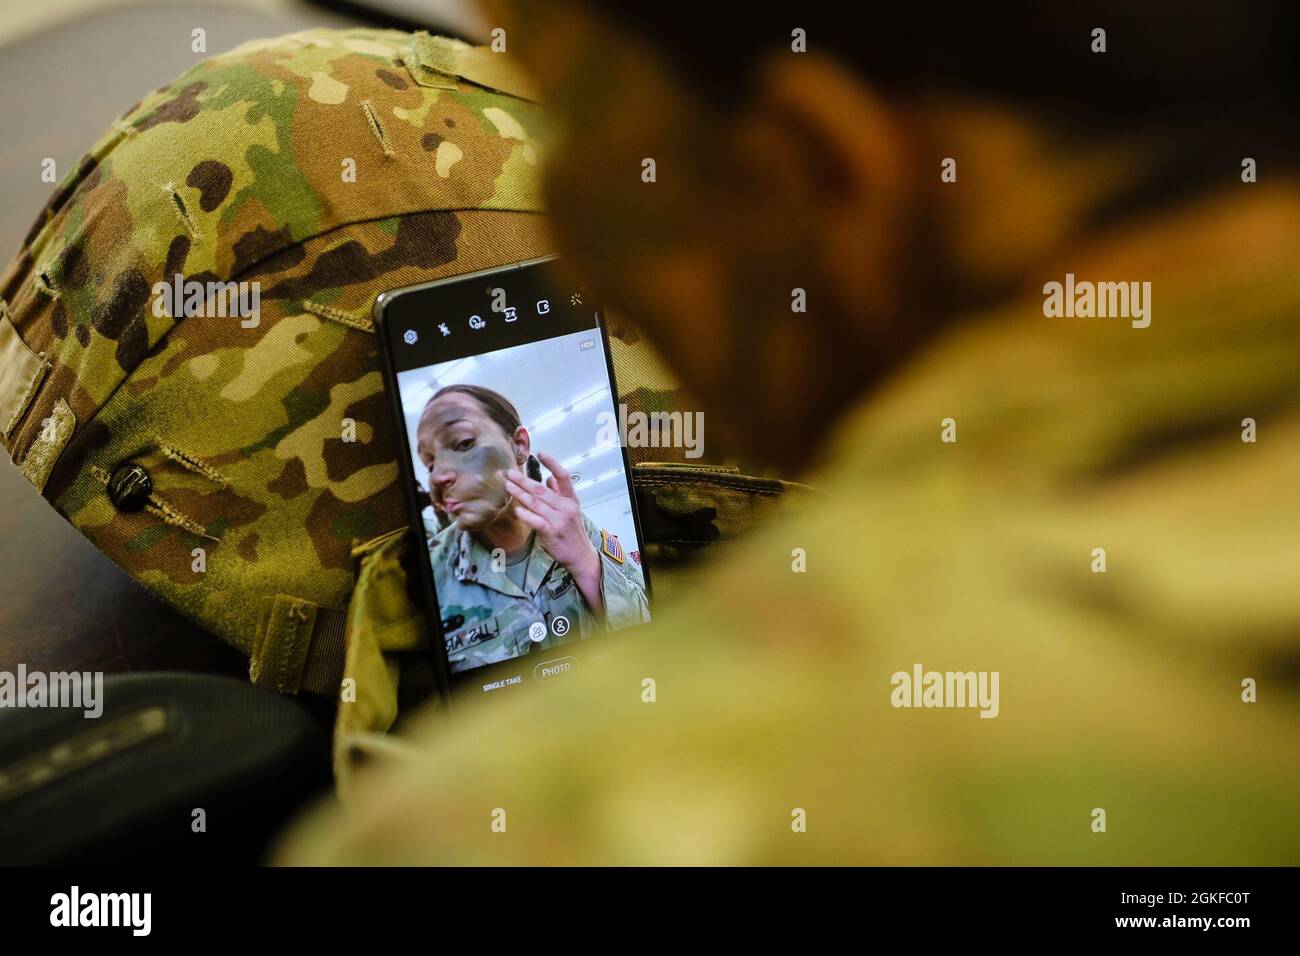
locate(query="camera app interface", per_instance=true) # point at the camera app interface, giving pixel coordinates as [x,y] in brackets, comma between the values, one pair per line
[510,420]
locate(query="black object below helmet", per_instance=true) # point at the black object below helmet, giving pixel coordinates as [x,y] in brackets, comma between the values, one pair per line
[128,786]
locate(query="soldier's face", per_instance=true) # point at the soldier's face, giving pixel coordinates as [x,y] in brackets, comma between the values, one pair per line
[465,453]
[648,245]
[701,217]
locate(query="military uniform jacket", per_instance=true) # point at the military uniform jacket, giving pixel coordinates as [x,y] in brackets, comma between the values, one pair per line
[486,617]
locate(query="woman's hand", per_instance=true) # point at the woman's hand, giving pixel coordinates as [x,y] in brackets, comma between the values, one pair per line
[553,511]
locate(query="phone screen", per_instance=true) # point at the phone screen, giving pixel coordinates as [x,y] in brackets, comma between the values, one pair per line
[502,380]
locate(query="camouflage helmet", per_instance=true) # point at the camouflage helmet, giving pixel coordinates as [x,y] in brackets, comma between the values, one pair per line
[206,452]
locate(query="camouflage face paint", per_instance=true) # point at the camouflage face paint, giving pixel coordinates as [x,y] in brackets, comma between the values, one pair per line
[465,452]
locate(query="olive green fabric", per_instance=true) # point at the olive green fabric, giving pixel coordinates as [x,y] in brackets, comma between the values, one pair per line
[382,626]
[1120,691]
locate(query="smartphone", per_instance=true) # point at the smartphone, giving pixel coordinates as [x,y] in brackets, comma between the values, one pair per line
[517,482]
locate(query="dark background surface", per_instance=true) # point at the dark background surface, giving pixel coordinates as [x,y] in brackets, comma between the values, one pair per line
[63,605]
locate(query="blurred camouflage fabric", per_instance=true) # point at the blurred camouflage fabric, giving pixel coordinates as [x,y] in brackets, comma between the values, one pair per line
[1120,691]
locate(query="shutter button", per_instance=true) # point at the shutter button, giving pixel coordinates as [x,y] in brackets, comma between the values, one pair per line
[129,487]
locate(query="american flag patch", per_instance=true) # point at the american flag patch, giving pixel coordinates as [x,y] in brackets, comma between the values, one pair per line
[609,544]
